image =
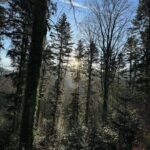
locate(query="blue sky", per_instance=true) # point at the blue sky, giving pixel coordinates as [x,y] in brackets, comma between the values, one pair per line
[63,6]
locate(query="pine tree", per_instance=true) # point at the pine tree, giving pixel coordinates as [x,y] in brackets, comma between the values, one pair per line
[92,57]
[73,138]
[90,117]
[126,122]
[79,55]
[141,32]
[143,15]
[62,47]
[132,56]
[17,29]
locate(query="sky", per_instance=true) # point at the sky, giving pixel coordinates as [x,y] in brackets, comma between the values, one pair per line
[80,10]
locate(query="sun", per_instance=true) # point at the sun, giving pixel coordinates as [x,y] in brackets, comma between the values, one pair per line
[74,63]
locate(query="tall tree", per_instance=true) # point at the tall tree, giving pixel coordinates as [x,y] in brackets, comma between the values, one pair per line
[140,31]
[126,122]
[21,40]
[18,29]
[2,18]
[132,56]
[62,46]
[79,55]
[110,22]
[142,23]
[33,73]
[92,55]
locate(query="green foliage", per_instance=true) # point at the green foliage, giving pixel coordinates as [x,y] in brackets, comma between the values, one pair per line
[119,78]
[102,138]
[73,139]
[140,69]
[126,122]
[7,112]
[61,39]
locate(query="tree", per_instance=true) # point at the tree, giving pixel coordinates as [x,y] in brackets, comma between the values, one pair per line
[62,46]
[126,121]
[2,18]
[92,55]
[20,18]
[110,23]
[132,56]
[96,98]
[138,43]
[33,73]
[77,67]
[142,28]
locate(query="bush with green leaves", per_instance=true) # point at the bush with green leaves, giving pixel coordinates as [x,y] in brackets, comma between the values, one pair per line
[73,139]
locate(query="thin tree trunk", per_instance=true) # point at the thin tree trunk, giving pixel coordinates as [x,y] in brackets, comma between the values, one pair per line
[75,106]
[40,97]
[88,99]
[21,83]
[147,73]
[135,72]
[106,92]
[58,86]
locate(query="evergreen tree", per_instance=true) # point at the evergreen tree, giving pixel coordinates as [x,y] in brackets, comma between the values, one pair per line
[126,122]
[62,47]
[90,119]
[73,138]
[20,49]
[141,33]
[79,55]
[57,101]
[92,57]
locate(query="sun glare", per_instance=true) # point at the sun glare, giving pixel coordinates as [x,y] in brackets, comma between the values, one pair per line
[74,63]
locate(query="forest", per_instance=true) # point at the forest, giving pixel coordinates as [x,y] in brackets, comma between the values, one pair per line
[78,75]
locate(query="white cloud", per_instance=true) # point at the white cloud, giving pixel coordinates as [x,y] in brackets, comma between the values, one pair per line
[75,4]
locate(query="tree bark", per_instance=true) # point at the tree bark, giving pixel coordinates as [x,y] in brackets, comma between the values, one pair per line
[88,99]
[106,89]
[33,74]
[75,107]
[21,82]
